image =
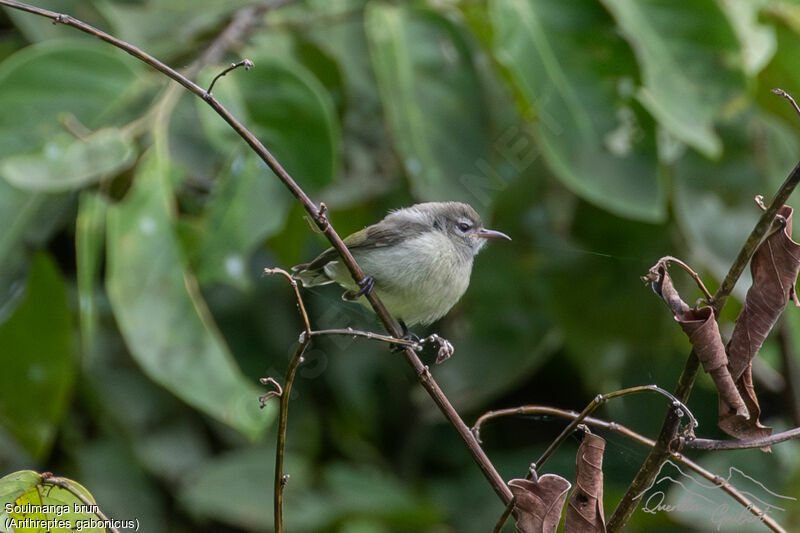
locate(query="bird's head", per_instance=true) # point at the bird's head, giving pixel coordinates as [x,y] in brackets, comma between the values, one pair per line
[461,224]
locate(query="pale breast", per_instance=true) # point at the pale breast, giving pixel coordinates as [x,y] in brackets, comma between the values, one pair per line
[419,281]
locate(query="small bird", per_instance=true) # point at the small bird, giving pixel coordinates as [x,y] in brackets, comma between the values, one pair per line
[418,258]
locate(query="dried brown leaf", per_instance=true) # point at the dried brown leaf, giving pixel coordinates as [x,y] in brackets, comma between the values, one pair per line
[539,503]
[774,267]
[701,328]
[585,506]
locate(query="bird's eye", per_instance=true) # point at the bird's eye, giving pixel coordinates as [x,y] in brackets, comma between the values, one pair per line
[464,226]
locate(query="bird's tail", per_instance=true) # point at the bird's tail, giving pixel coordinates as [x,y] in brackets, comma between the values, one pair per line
[310,277]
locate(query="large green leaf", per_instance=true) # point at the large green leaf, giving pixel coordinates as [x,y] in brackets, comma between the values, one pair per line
[758,41]
[691,64]
[287,109]
[38,85]
[714,199]
[38,360]
[66,163]
[42,83]
[90,227]
[160,312]
[249,206]
[167,27]
[589,128]
[432,100]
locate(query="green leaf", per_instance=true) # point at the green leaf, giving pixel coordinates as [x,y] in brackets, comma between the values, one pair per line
[90,227]
[364,490]
[160,312]
[236,488]
[84,79]
[287,109]
[758,41]
[589,129]
[66,163]
[101,463]
[678,45]
[39,85]
[714,199]
[432,100]
[26,495]
[38,360]
[28,220]
[249,206]
[167,27]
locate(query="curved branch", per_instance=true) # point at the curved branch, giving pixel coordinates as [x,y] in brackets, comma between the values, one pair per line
[711,444]
[722,483]
[319,218]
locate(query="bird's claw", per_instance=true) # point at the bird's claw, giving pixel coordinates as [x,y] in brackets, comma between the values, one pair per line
[407,336]
[446,348]
[364,286]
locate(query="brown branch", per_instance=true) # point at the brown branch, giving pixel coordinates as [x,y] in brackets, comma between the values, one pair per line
[596,402]
[761,442]
[424,376]
[660,452]
[722,483]
[69,486]
[284,394]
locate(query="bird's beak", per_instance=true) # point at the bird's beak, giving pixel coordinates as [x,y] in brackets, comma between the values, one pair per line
[484,233]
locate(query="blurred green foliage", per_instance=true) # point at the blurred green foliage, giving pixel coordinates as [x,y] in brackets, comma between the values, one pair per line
[135,322]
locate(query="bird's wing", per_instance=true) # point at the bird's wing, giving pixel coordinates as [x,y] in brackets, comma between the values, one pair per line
[375,236]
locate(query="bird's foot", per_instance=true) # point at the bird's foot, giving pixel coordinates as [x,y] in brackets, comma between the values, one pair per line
[365,286]
[407,336]
[445,347]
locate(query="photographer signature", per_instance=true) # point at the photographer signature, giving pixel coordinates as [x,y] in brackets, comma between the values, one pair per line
[699,497]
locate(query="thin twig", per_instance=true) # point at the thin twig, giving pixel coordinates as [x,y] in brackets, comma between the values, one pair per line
[596,402]
[284,394]
[761,442]
[69,486]
[350,332]
[276,392]
[695,276]
[246,63]
[599,400]
[781,92]
[280,477]
[659,453]
[722,483]
[300,305]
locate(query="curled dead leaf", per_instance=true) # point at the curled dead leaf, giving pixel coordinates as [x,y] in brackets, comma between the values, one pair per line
[774,267]
[538,504]
[585,506]
[701,327]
